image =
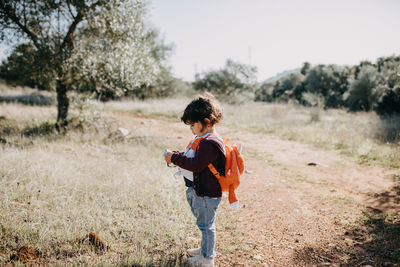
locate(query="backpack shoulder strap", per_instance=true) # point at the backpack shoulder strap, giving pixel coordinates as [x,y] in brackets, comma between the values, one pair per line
[194,143]
[214,171]
[190,143]
[227,160]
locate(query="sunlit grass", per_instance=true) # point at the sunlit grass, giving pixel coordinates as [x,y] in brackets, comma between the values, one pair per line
[56,188]
[167,108]
[359,135]
[54,192]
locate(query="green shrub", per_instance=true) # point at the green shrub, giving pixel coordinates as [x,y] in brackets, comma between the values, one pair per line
[329,81]
[285,88]
[388,131]
[42,129]
[362,92]
[229,82]
[264,93]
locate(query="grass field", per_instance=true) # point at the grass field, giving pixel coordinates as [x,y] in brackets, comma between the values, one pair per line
[55,189]
[363,135]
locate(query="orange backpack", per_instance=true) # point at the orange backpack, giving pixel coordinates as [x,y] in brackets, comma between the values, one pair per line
[234,167]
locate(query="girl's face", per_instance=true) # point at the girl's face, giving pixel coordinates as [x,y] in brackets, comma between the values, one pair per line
[197,128]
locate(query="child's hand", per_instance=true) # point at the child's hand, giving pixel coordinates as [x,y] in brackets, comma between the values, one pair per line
[167,156]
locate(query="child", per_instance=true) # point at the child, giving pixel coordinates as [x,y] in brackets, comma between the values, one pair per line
[203,189]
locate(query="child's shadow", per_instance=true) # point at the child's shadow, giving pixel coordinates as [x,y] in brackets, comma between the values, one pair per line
[373,241]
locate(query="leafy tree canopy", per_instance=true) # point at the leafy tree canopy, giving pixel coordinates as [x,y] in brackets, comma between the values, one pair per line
[234,78]
[104,44]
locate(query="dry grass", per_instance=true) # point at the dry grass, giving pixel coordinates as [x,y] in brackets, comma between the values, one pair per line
[166,108]
[56,189]
[362,135]
[7,90]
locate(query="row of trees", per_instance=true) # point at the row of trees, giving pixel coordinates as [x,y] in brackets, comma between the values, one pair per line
[100,46]
[367,86]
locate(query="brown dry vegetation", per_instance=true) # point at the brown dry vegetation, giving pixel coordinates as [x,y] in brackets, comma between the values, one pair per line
[343,210]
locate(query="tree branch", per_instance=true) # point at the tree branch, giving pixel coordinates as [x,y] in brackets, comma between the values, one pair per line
[77,19]
[69,9]
[72,28]
[13,17]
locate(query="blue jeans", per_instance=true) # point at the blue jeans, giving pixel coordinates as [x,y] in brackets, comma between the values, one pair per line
[205,211]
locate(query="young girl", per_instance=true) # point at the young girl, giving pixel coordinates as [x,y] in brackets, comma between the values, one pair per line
[203,189]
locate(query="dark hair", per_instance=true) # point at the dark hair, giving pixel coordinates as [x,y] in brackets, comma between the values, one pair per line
[203,107]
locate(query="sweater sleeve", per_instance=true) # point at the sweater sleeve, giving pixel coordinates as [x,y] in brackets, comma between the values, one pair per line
[206,154]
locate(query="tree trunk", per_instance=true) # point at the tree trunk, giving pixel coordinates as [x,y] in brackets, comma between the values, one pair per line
[62,105]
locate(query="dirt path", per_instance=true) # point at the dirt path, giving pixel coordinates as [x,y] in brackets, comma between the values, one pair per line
[300,201]
[301,206]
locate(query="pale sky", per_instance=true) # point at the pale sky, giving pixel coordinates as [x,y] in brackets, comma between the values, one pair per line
[276,35]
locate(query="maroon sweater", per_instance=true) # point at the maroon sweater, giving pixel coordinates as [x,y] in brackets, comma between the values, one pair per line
[210,150]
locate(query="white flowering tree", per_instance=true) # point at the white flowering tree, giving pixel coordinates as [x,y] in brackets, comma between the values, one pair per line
[104,43]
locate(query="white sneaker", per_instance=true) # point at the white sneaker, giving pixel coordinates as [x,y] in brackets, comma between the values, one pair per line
[194,252]
[199,260]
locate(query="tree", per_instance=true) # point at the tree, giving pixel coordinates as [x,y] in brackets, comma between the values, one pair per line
[329,81]
[233,79]
[164,84]
[362,93]
[264,92]
[306,68]
[388,91]
[357,68]
[103,41]
[285,87]
[24,67]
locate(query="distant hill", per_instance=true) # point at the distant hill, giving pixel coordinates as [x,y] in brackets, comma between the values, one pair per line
[280,75]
